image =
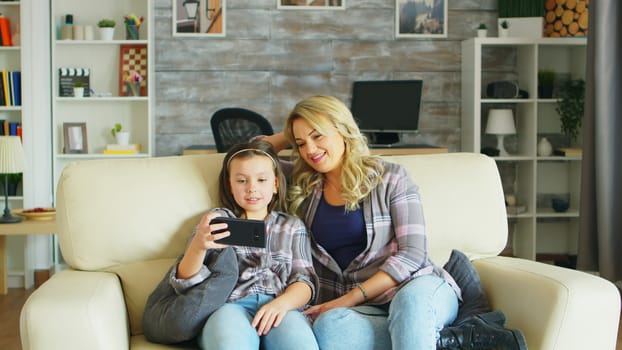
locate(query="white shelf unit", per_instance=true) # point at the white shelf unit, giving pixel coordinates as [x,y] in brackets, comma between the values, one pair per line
[102,58]
[11,60]
[532,179]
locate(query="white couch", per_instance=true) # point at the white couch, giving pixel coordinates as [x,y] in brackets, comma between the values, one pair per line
[122,222]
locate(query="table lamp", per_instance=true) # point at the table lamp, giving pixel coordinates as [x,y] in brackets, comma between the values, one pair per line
[500,123]
[11,162]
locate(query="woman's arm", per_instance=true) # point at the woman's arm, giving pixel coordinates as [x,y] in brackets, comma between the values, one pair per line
[374,286]
[278,141]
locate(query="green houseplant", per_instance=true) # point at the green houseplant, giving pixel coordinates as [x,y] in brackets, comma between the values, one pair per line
[117,128]
[106,23]
[570,106]
[546,82]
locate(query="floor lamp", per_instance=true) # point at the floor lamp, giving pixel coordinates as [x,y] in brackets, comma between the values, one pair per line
[11,162]
[500,123]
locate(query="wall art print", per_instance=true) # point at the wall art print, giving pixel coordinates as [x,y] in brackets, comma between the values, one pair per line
[311,4]
[421,18]
[199,18]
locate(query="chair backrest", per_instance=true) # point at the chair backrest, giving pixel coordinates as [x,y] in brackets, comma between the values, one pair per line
[235,125]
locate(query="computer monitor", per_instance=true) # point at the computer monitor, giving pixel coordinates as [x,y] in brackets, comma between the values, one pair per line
[385,108]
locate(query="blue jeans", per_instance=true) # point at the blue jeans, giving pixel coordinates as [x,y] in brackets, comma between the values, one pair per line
[413,320]
[229,327]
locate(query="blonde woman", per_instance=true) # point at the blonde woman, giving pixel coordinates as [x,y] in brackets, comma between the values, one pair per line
[378,287]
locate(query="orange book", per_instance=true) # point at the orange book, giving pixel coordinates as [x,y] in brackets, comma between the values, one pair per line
[5,31]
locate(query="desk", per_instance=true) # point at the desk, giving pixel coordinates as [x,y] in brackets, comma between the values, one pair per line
[26,227]
[376,151]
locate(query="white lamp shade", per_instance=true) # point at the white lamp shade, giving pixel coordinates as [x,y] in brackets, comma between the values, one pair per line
[11,155]
[500,122]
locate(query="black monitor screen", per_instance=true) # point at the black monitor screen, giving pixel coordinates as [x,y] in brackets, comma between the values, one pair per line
[387,105]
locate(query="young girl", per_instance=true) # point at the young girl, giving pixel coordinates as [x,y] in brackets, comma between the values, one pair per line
[274,281]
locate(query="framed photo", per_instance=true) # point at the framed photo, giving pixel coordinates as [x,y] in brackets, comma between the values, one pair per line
[421,18]
[311,4]
[203,18]
[75,138]
[132,61]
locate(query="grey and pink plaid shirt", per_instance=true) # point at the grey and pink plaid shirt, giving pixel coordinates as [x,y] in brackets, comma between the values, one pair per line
[396,240]
[285,260]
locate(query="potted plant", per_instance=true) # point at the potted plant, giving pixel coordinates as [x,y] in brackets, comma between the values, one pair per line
[78,89]
[106,28]
[546,82]
[13,181]
[122,137]
[482,30]
[570,106]
[504,28]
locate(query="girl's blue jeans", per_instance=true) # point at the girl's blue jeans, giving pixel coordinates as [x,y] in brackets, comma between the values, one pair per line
[412,321]
[229,327]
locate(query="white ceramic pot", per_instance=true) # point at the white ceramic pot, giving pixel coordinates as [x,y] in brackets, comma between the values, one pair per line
[503,32]
[106,33]
[482,33]
[123,137]
[78,92]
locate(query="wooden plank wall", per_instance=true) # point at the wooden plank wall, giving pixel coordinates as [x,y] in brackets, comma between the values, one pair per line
[270,59]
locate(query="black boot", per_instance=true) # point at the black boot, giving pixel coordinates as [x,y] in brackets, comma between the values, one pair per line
[483,332]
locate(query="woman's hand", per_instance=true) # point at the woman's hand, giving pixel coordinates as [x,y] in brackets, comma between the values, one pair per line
[202,240]
[270,315]
[316,310]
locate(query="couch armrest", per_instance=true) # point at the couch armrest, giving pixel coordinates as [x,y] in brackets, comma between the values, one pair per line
[555,307]
[76,310]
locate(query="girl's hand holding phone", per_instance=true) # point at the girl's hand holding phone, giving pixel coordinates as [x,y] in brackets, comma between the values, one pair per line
[203,238]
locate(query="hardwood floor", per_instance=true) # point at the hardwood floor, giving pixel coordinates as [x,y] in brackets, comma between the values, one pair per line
[11,305]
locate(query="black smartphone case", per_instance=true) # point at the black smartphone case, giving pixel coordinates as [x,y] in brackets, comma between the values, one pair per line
[244,232]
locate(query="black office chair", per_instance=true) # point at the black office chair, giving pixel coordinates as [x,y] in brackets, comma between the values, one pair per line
[235,125]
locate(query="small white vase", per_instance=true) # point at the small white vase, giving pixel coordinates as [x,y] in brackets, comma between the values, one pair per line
[78,92]
[106,33]
[123,137]
[482,33]
[503,32]
[545,148]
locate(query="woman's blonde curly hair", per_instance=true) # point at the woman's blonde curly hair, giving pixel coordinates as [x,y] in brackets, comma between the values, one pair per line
[361,171]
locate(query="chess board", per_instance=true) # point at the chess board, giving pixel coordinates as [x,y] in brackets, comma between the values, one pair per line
[133,57]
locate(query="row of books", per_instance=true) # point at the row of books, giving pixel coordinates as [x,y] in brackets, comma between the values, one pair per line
[11,88]
[10,128]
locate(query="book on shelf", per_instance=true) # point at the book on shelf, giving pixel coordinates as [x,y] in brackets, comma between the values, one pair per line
[568,152]
[117,147]
[5,31]
[120,151]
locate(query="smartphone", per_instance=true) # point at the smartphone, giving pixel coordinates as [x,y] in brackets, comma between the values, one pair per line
[244,232]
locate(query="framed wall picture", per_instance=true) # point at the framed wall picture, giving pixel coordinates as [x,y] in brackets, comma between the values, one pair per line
[421,18]
[311,4]
[204,18]
[75,138]
[132,63]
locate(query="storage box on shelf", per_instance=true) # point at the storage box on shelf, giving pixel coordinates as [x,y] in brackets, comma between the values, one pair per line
[530,179]
[105,65]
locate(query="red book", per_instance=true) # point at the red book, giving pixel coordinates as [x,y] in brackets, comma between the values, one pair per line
[5,31]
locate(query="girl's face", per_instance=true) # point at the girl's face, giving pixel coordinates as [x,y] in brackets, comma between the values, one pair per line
[253,183]
[323,152]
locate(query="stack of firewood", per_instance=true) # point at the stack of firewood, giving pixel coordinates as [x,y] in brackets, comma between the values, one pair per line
[566,18]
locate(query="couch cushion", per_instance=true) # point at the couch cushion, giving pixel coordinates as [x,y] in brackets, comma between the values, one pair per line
[118,211]
[478,222]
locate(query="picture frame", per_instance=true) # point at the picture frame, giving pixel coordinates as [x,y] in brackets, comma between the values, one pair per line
[133,57]
[417,19]
[311,4]
[75,138]
[199,18]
